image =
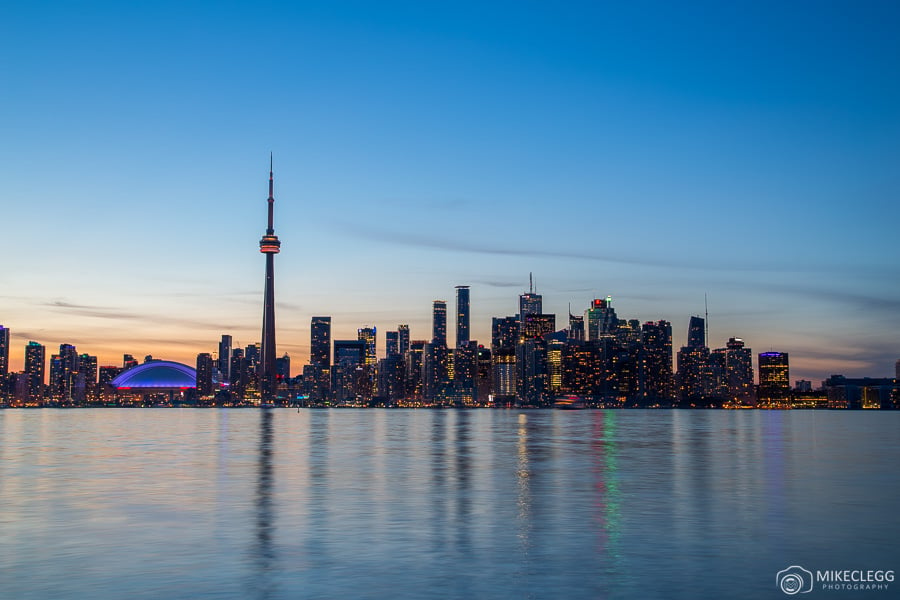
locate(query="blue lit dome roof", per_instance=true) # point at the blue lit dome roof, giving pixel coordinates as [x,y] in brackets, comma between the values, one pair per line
[157,374]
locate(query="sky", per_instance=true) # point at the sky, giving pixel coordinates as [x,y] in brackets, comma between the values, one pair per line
[663,153]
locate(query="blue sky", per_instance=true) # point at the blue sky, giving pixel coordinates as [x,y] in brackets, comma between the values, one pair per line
[653,151]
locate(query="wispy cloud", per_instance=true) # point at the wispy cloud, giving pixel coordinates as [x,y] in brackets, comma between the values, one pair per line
[100,312]
[610,257]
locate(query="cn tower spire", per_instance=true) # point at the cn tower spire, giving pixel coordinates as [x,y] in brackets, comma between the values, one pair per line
[269,245]
[271,201]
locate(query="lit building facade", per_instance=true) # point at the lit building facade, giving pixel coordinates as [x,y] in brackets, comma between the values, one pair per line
[774,378]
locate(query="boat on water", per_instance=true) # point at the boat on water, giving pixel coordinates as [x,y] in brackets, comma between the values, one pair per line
[570,403]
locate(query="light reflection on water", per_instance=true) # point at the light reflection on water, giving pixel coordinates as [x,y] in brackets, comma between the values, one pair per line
[273,504]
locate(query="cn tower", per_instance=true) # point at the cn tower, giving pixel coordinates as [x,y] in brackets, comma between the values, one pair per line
[270,246]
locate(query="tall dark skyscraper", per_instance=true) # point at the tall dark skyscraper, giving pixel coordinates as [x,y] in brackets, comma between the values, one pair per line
[739,371]
[320,342]
[224,363]
[462,316]
[204,374]
[403,338]
[658,379]
[439,324]
[270,246]
[35,361]
[696,333]
[4,350]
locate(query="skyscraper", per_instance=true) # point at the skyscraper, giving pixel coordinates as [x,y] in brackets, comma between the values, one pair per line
[392,343]
[694,376]
[270,246]
[739,371]
[696,333]
[439,324]
[403,338]
[658,382]
[86,382]
[4,350]
[35,360]
[369,336]
[204,373]
[576,328]
[63,373]
[320,342]
[601,320]
[319,372]
[224,362]
[530,303]
[462,315]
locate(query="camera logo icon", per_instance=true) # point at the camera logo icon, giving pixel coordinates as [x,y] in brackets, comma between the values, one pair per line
[794,580]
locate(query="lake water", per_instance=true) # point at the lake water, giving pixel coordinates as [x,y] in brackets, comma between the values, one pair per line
[333,504]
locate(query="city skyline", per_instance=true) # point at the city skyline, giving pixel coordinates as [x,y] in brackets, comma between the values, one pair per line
[619,151]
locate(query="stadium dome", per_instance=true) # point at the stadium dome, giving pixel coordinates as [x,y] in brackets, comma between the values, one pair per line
[157,374]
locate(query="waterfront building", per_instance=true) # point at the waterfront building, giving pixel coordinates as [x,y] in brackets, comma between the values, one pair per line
[240,375]
[435,372]
[390,379]
[484,375]
[318,377]
[462,316]
[156,382]
[465,368]
[694,377]
[128,361]
[350,378]
[658,379]
[86,381]
[774,379]
[739,372]
[859,393]
[204,379]
[63,374]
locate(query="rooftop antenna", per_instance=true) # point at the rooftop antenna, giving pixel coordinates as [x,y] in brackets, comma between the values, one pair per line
[530,283]
[706,319]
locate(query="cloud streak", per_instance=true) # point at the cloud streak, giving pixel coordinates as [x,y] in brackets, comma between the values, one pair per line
[460,245]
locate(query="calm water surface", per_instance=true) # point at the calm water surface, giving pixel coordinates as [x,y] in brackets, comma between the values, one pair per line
[229,503]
